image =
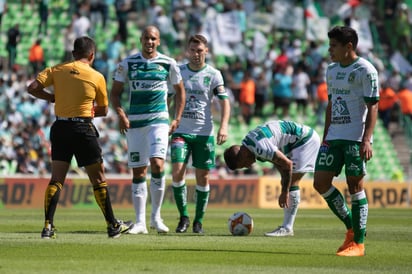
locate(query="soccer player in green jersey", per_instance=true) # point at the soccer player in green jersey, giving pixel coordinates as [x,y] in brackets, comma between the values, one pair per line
[146,122]
[195,134]
[292,148]
[350,119]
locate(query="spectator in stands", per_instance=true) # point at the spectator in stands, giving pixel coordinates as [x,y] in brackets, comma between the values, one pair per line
[195,16]
[300,85]
[282,91]
[236,71]
[394,80]
[407,81]
[262,90]
[81,24]
[43,9]
[281,61]
[3,9]
[168,35]
[321,102]
[152,11]
[114,50]
[122,11]
[402,29]
[247,96]
[69,36]
[101,64]
[13,39]
[294,52]
[98,15]
[405,101]
[387,102]
[36,57]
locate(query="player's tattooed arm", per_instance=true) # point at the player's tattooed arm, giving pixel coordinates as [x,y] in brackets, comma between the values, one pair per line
[284,165]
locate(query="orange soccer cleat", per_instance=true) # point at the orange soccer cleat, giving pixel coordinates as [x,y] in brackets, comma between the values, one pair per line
[353,250]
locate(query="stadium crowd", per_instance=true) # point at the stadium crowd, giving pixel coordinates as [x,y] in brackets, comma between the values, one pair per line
[291,70]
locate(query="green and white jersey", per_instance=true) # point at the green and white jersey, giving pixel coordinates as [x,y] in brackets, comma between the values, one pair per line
[200,88]
[148,87]
[349,89]
[285,136]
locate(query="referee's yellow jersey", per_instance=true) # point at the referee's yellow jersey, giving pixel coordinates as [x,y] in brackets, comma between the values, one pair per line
[77,88]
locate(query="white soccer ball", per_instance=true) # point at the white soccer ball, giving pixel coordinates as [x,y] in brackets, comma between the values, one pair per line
[240,224]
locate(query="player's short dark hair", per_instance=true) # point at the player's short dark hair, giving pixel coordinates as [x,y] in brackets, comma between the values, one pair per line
[344,35]
[83,47]
[230,155]
[197,38]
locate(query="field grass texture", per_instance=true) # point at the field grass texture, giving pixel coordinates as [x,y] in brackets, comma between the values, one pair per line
[82,245]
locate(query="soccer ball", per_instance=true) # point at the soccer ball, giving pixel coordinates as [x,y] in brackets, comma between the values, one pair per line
[240,224]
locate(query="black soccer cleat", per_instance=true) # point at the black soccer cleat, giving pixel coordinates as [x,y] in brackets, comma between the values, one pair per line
[183,224]
[118,228]
[48,233]
[197,227]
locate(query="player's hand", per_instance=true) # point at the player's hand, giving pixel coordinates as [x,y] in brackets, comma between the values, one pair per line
[221,135]
[124,124]
[366,151]
[173,126]
[284,200]
[221,138]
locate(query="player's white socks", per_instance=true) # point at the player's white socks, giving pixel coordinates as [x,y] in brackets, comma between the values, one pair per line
[289,214]
[139,197]
[157,192]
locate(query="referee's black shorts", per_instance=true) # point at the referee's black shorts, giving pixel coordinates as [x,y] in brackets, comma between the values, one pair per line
[78,138]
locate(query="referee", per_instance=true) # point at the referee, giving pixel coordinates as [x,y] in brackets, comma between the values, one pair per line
[80,94]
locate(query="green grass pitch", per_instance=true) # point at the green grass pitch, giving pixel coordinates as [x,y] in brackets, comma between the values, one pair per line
[82,245]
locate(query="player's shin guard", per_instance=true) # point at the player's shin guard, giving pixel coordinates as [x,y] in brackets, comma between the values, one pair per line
[139,197]
[338,205]
[103,200]
[289,214]
[180,195]
[202,199]
[359,215]
[157,191]
[51,198]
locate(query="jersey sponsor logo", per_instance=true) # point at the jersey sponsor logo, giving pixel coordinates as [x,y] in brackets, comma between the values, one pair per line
[340,91]
[340,75]
[192,115]
[142,85]
[353,167]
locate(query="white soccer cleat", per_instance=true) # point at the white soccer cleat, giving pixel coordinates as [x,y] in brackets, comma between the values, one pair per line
[138,229]
[281,231]
[159,226]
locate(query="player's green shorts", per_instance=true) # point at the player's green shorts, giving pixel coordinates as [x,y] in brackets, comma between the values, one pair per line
[201,148]
[334,154]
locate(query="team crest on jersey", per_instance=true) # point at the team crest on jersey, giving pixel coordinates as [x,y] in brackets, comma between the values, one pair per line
[134,156]
[206,81]
[351,77]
